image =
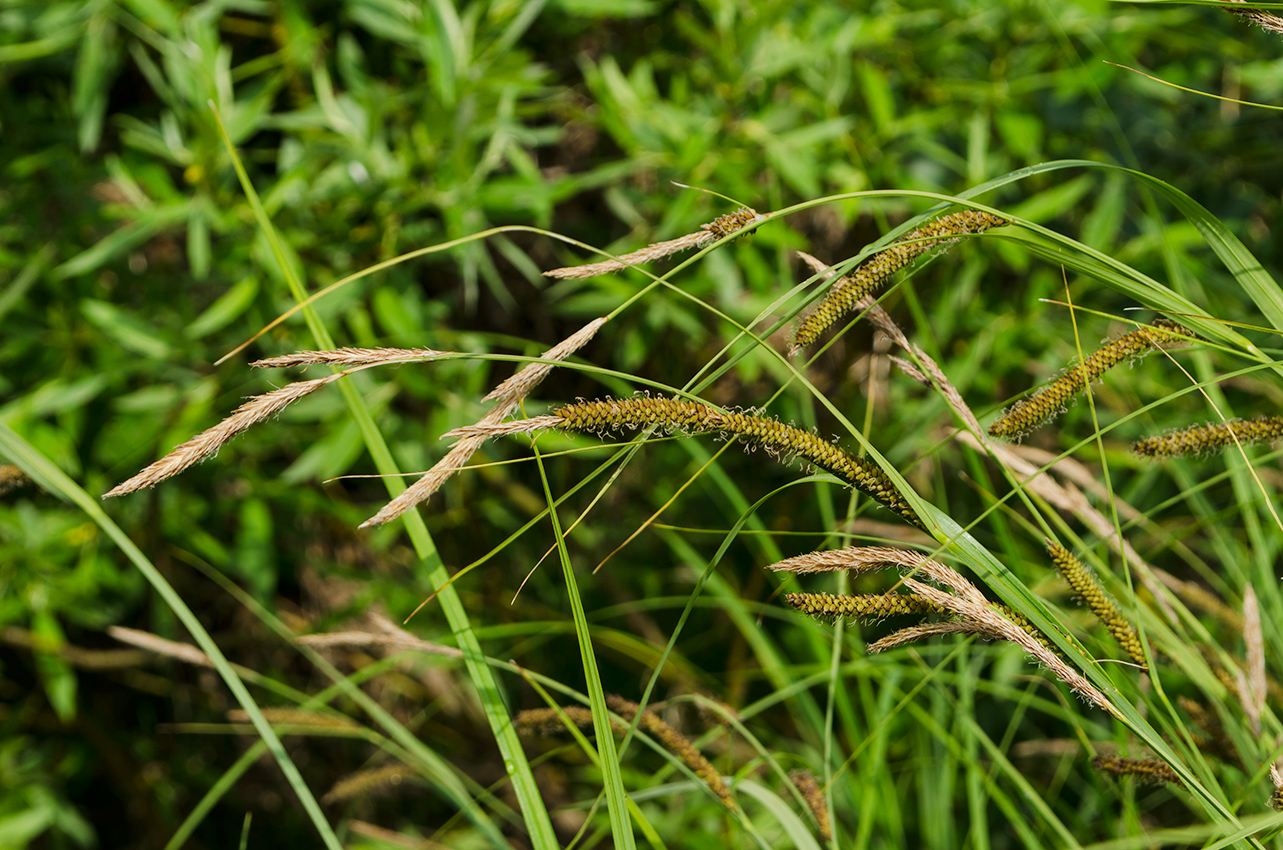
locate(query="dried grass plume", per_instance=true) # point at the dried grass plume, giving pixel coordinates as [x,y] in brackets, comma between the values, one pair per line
[719,228]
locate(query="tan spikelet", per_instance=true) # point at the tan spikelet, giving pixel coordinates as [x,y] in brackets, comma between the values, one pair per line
[530,376]
[383,641]
[923,631]
[863,558]
[508,396]
[1263,19]
[1252,687]
[365,782]
[707,234]
[987,619]
[350,357]
[814,797]
[159,645]
[252,412]
[279,716]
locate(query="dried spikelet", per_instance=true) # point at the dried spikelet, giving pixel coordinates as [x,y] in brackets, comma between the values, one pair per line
[879,557]
[988,620]
[372,640]
[296,717]
[1083,583]
[1276,796]
[1265,20]
[11,478]
[829,560]
[871,274]
[827,608]
[971,613]
[719,228]
[1151,771]
[159,645]
[365,782]
[913,634]
[677,744]
[509,395]
[1211,437]
[814,797]
[545,721]
[531,375]
[207,443]
[350,357]
[1252,684]
[1028,414]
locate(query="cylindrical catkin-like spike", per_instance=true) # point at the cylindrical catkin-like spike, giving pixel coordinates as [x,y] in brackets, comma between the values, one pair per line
[775,436]
[1212,437]
[870,275]
[1028,414]
[1085,585]
[546,721]
[827,607]
[814,796]
[1147,770]
[677,744]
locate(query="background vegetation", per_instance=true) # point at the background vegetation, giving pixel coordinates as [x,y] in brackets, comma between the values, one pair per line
[132,259]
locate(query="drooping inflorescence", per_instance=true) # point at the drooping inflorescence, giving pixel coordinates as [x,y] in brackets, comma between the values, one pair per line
[1211,437]
[773,435]
[719,228]
[1080,579]
[1028,414]
[870,275]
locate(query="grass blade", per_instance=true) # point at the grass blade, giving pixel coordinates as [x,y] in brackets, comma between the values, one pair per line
[533,810]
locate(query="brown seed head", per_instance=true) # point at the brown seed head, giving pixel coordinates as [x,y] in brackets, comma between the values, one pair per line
[776,437]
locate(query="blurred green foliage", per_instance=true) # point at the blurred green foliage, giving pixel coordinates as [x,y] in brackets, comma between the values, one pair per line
[131,262]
